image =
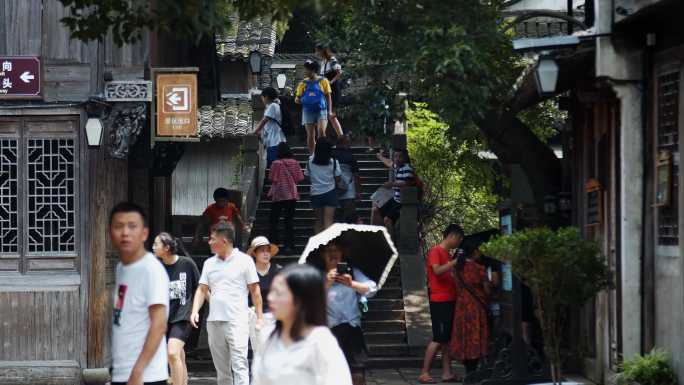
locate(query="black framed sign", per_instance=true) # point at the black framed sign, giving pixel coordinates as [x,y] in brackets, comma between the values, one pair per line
[663,193]
[594,203]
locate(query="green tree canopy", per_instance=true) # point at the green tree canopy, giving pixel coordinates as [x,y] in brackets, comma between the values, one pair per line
[459,182]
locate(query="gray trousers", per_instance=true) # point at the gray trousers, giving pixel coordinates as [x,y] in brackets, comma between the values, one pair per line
[228,346]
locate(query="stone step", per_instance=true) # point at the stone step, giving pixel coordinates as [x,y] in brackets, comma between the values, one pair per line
[388,350]
[394,362]
[307,213]
[369,183]
[305,203]
[385,304]
[395,337]
[362,161]
[384,325]
[306,195]
[389,292]
[383,315]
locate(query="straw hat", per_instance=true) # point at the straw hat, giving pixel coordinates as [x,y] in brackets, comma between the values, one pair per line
[261,241]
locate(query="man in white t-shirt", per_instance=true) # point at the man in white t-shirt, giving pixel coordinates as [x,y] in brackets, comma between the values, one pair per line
[228,277]
[141,303]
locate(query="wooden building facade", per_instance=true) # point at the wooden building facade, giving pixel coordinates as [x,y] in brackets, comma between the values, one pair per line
[56,259]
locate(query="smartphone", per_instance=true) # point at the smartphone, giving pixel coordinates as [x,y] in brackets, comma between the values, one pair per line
[342,268]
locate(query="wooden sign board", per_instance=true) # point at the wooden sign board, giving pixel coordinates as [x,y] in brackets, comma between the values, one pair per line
[594,201]
[20,77]
[176,104]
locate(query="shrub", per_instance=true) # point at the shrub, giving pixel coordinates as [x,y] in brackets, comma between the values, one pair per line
[650,369]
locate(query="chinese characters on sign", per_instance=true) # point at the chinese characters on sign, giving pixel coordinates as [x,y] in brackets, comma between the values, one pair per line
[176,104]
[20,77]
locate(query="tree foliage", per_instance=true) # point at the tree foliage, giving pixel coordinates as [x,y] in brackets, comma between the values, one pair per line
[459,183]
[451,56]
[563,271]
[457,58]
[126,20]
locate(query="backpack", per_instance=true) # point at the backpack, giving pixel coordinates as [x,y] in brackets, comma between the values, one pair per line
[313,98]
[285,123]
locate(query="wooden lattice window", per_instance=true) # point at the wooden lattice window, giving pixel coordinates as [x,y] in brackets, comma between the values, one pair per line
[668,140]
[38,194]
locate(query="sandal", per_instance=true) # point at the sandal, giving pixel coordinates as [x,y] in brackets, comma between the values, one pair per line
[426,380]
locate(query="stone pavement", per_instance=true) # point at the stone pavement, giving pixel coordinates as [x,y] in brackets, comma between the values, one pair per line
[401,376]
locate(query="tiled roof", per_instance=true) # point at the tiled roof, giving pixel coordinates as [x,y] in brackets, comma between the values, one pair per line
[229,118]
[246,36]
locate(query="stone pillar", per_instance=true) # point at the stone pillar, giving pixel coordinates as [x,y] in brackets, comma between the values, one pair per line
[413,280]
[250,148]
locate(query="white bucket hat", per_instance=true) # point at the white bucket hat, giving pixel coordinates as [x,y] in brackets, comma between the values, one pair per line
[261,241]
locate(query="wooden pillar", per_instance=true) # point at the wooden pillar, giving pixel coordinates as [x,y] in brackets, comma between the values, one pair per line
[108,185]
[160,205]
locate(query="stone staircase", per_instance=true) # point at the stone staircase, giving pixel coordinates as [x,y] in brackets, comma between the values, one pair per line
[373,174]
[384,324]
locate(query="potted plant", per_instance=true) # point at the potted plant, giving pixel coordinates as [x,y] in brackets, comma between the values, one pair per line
[651,369]
[562,269]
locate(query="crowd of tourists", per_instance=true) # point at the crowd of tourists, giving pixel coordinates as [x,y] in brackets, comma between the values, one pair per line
[335,184]
[302,322]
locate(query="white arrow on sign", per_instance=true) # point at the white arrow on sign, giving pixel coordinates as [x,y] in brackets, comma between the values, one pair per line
[178,99]
[173,98]
[26,77]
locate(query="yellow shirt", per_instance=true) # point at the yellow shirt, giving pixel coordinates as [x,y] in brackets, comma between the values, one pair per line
[324,83]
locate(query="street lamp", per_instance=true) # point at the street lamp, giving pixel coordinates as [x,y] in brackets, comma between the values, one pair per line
[94,132]
[281,79]
[546,75]
[255,61]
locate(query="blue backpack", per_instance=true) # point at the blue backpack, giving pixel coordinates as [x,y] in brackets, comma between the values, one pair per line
[313,98]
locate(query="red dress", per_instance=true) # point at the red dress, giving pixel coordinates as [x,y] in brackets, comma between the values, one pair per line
[470,330]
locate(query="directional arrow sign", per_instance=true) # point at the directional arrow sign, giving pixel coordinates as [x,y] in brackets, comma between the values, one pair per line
[176,104]
[26,77]
[20,77]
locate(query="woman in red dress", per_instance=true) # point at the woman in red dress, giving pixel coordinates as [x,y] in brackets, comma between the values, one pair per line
[470,332]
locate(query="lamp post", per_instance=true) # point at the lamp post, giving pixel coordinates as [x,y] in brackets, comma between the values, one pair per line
[546,75]
[94,129]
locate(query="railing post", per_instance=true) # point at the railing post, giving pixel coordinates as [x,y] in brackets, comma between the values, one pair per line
[413,280]
[250,153]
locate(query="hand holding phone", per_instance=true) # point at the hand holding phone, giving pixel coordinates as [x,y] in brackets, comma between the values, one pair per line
[343,268]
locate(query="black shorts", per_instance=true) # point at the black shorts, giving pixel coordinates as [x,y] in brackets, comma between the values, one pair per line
[179,330]
[391,210]
[442,314]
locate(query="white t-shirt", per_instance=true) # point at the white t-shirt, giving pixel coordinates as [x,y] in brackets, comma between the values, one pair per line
[227,280]
[315,360]
[322,177]
[139,285]
[272,135]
